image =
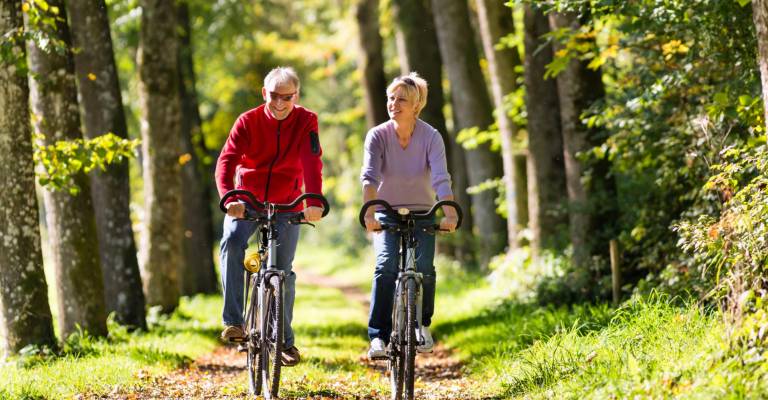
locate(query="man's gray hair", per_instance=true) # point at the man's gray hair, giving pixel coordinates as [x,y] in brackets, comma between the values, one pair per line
[281,76]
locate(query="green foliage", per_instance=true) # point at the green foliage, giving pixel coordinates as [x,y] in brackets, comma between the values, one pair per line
[682,84]
[62,161]
[729,247]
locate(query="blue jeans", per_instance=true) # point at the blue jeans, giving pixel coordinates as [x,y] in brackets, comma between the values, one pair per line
[387,248]
[234,241]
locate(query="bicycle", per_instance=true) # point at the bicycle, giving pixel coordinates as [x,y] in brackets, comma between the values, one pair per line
[406,310]
[264,287]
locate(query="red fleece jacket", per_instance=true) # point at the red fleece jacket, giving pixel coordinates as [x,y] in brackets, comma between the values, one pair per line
[276,160]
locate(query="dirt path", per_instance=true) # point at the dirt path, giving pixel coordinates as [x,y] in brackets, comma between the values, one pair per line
[439,373]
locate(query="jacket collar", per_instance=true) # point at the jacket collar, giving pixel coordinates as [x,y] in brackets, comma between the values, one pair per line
[272,120]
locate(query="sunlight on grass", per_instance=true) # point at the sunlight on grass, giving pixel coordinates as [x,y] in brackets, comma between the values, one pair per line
[106,364]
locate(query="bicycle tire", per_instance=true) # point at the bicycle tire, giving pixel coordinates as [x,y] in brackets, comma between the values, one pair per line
[397,346]
[252,332]
[273,339]
[409,373]
[395,366]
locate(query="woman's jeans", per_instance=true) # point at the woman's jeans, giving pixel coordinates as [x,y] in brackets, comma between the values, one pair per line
[234,241]
[387,248]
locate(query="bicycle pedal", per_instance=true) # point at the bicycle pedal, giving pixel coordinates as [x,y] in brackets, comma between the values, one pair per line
[379,358]
[237,340]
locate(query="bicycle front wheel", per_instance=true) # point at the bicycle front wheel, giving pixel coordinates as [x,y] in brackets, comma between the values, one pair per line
[272,342]
[409,368]
[252,333]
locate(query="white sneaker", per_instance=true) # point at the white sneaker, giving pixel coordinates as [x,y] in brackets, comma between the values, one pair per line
[426,340]
[377,349]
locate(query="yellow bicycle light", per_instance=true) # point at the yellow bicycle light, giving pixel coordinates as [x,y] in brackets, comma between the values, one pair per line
[253,262]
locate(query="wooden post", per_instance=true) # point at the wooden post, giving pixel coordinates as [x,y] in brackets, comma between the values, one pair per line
[615,271]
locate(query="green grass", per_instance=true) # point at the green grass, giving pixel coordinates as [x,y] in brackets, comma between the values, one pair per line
[648,348]
[101,365]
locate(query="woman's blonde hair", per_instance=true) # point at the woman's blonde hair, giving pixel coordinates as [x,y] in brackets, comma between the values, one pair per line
[415,88]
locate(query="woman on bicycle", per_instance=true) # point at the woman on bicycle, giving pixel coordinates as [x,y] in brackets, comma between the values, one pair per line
[404,163]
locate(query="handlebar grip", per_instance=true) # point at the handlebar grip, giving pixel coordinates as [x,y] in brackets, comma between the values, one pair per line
[368,204]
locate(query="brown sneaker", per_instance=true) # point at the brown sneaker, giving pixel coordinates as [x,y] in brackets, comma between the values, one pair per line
[290,356]
[233,333]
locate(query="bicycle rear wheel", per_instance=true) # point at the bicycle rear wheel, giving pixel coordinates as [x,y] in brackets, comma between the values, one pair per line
[272,341]
[409,369]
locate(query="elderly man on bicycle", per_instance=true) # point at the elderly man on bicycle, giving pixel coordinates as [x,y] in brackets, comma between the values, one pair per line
[274,152]
[404,163]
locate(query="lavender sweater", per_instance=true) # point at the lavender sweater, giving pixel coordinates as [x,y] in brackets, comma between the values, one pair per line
[407,177]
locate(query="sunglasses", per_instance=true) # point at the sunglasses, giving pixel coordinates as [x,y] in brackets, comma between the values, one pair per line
[408,81]
[283,97]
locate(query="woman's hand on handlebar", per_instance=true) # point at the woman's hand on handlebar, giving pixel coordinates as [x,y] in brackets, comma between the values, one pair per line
[236,209]
[313,214]
[448,223]
[371,224]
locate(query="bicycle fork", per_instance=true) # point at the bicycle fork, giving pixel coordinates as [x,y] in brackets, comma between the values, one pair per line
[399,322]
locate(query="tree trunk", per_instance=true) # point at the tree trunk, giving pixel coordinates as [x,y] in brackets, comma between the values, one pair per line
[102,109]
[25,316]
[760,18]
[70,218]
[578,87]
[197,273]
[372,62]
[471,108]
[495,21]
[546,172]
[161,249]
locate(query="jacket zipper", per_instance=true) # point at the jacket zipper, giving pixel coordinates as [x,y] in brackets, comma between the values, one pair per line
[272,164]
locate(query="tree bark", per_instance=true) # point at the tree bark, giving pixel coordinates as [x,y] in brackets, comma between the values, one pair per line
[578,87]
[102,109]
[372,62]
[25,316]
[760,18]
[419,52]
[70,218]
[495,21]
[471,108]
[161,241]
[546,171]
[197,273]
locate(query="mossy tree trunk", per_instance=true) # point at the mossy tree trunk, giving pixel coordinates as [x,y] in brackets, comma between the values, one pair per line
[25,316]
[161,241]
[102,109]
[197,274]
[547,194]
[70,218]
[495,21]
[372,62]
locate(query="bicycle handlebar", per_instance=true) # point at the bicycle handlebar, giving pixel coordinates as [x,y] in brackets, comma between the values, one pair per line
[258,204]
[413,215]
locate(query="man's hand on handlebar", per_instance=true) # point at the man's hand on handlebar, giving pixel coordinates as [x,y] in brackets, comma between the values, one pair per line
[448,223]
[236,209]
[371,224]
[312,214]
